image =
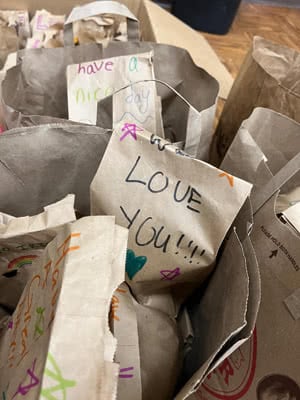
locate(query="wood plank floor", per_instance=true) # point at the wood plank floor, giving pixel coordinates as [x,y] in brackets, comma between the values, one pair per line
[281,25]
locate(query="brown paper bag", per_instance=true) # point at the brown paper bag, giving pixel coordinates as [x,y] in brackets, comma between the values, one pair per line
[264,151]
[265,142]
[124,325]
[39,101]
[112,24]
[42,164]
[173,241]
[138,329]
[268,78]
[22,239]
[14,30]
[9,42]
[267,365]
[47,30]
[62,308]
[233,286]
[100,29]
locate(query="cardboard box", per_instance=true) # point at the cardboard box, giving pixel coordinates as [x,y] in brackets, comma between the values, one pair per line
[156,25]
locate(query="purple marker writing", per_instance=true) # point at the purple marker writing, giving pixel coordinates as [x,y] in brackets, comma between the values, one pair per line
[121,375]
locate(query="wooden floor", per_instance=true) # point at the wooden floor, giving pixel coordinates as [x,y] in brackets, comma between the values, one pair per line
[281,25]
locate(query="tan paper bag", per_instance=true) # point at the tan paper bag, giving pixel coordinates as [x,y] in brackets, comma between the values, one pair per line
[124,325]
[65,307]
[39,101]
[100,22]
[42,164]
[264,151]
[268,78]
[22,239]
[146,338]
[233,286]
[267,365]
[265,142]
[173,240]
[21,242]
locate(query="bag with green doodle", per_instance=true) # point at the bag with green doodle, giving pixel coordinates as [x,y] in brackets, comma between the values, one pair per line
[57,342]
[267,366]
[22,240]
[39,101]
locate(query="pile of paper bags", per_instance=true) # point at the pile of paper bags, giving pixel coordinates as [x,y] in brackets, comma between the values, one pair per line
[141,256]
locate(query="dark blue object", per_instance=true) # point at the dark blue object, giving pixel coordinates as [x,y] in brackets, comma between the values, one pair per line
[212,16]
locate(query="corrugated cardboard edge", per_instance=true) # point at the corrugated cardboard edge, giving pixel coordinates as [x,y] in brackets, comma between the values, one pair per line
[168,29]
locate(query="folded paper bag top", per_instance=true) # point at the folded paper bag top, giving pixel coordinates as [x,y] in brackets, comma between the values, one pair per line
[41,164]
[103,77]
[260,150]
[267,366]
[22,241]
[65,307]
[269,77]
[97,8]
[28,88]
[148,349]
[177,209]
[265,137]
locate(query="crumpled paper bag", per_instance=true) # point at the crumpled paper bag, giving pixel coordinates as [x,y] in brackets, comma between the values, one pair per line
[42,164]
[260,150]
[101,22]
[60,306]
[47,30]
[148,349]
[173,237]
[268,78]
[39,101]
[100,29]
[267,365]
[14,30]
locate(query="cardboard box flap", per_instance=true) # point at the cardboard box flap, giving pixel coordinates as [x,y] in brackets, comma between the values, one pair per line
[156,25]
[168,29]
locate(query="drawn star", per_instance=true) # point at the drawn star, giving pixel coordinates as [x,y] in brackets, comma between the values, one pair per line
[169,275]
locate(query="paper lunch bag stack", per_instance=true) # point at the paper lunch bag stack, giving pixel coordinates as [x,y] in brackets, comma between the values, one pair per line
[160,288]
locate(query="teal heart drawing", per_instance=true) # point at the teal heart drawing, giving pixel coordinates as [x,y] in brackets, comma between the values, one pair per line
[134,264]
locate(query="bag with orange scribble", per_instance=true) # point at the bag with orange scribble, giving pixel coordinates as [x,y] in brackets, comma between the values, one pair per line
[22,240]
[57,341]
